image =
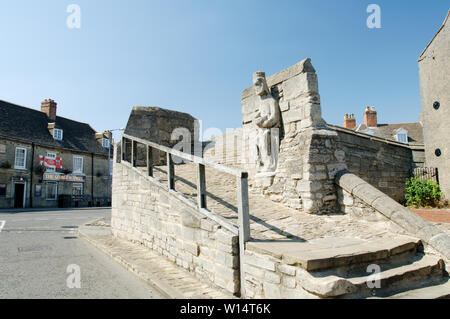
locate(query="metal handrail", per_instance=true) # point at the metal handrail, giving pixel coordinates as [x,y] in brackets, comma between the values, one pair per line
[241,186]
[189,157]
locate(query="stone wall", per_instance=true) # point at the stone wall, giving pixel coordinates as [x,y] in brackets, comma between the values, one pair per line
[144,211]
[434,71]
[384,165]
[160,126]
[358,197]
[268,277]
[308,157]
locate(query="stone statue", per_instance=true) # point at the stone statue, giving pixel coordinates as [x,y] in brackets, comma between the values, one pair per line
[267,119]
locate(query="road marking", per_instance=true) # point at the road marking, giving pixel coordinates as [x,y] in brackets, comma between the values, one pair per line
[2,224]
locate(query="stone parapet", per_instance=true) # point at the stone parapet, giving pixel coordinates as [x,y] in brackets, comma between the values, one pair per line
[355,190]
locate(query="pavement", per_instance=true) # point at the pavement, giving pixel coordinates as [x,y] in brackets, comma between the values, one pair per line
[40,252]
[169,279]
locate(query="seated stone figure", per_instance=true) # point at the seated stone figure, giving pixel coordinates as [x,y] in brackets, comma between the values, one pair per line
[268,118]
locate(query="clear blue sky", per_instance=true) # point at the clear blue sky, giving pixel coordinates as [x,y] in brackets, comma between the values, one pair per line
[198,56]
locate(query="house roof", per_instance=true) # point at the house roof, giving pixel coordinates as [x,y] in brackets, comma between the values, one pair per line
[388,131]
[29,125]
[440,29]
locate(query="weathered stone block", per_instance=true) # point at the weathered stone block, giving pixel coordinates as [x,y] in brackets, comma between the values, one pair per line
[271,291]
[289,282]
[226,237]
[286,269]
[272,277]
[260,262]
[300,84]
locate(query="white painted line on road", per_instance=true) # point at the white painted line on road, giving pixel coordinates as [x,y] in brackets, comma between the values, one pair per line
[2,224]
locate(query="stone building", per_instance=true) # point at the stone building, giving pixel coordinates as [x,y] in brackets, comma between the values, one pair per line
[434,70]
[44,157]
[162,126]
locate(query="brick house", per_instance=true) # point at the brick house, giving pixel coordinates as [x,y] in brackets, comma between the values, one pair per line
[51,161]
[407,133]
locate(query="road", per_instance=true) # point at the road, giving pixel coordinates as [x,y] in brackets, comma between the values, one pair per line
[37,247]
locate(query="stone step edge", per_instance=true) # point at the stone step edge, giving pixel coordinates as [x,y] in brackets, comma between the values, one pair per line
[335,286]
[366,254]
[436,291]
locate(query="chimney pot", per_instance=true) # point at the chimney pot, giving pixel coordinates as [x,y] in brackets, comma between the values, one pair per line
[48,106]
[349,122]
[370,117]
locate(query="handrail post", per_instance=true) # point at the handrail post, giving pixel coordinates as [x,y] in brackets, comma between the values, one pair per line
[201,186]
[123,148]
[244,224]
[133,153]
[170,172]
[150,161]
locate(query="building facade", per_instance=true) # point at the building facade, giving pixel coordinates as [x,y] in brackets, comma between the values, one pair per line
[51,161]
[434,72]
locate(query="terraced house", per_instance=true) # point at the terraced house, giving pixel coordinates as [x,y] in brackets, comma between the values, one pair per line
[50,161]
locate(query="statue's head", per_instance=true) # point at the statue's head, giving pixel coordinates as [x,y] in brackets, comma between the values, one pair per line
[260,83]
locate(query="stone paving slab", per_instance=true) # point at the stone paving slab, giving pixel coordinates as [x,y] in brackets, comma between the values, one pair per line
[270,220]
[169,279]
[326,253]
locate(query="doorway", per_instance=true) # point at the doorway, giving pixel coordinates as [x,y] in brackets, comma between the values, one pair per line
[19,195]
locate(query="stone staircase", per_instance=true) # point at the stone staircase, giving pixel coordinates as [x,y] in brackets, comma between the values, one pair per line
[344,269]
[331,253]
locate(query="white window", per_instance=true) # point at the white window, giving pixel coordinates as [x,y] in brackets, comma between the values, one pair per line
[105,142]
[21,158]
[77,189]
[402,136]
[52,156]
[51,190]
[58,134]
[78,164]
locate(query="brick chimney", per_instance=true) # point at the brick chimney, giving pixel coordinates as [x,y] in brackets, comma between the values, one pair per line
[350,121]
[48,106]
[370,117]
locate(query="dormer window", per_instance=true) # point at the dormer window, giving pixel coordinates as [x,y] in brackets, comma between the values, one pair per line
[402,136]
[105,142]
[58,134]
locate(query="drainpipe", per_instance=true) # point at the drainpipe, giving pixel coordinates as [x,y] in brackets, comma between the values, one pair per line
[31,175]
[92,179]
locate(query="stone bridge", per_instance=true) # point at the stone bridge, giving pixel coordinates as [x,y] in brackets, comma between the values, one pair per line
[309,228]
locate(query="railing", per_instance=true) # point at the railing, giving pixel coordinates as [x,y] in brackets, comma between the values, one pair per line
[424,173]
[243,230]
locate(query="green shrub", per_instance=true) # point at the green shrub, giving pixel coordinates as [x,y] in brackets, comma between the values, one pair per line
[422,193]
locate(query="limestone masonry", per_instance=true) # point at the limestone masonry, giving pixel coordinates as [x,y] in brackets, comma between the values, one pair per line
[322,208]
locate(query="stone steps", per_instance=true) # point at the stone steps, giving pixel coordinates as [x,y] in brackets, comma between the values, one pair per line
[439,290]
[392,278]
[322,255]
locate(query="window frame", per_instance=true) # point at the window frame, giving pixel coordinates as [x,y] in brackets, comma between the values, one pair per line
[47,193]
[105,141]
[51,155]
[401,136]
[76,186]
[55,134]
[82,164]
[24,158]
